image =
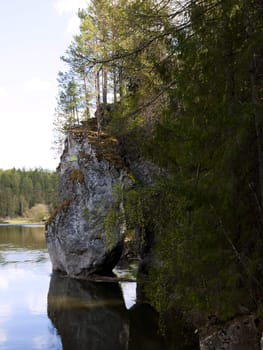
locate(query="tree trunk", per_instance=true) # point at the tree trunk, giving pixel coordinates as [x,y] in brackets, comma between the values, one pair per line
[86,95]
[114,85]
[77,115]
[105,85]
[98,111]
[121,82]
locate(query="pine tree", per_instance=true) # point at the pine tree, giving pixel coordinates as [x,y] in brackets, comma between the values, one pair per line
[186,80]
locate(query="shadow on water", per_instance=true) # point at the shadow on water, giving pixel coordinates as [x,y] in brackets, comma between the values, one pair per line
[90,315]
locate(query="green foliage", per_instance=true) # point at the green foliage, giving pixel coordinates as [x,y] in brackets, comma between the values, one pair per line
[133,206]
[206,215]
[188,77]
[204,139]
[114,223]
[20,190]
[88,215]
[70,109]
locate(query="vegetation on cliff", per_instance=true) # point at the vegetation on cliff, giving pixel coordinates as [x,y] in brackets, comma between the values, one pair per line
[182,83]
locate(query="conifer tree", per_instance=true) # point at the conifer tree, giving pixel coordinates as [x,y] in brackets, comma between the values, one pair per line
[186,81]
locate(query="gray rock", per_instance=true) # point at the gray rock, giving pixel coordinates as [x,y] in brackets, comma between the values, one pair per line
[145,171]
[85,234]
[239,334]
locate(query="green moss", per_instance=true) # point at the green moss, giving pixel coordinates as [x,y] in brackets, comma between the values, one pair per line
[73,158]
[115,218]
[112,223]
[88,215]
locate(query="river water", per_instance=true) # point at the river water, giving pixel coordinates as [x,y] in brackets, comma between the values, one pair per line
[41,310]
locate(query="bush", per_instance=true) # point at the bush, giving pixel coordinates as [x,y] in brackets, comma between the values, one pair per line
[38,212]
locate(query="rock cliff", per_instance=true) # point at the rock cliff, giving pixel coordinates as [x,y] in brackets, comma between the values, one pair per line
[85,234]
[239,334]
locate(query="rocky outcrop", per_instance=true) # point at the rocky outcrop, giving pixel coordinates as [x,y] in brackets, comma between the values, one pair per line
[239,334]
[85,234]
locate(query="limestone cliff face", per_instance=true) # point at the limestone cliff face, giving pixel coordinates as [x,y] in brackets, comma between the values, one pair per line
[85,234]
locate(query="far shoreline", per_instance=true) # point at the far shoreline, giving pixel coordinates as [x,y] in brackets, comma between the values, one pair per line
[20,222]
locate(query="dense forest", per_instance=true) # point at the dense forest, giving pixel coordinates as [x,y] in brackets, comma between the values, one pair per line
[181,83]
[22,190]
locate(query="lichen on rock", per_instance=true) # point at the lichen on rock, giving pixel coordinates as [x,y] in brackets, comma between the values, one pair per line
[76,234]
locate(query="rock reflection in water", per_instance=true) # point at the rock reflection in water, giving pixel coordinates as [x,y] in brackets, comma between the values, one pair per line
[88,315]
[144,332]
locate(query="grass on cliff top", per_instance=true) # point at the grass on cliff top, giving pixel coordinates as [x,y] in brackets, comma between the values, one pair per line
[107,148]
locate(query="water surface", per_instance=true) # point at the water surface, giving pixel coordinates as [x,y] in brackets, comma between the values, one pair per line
[41,310]
[24,281]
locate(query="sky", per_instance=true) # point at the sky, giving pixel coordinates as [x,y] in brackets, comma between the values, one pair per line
[34,34]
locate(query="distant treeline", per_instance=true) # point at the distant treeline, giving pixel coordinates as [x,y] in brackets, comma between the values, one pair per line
[20,190]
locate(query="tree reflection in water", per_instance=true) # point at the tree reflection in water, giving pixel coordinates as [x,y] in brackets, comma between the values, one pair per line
[92,315]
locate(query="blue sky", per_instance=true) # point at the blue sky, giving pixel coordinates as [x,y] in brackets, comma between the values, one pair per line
[33,36]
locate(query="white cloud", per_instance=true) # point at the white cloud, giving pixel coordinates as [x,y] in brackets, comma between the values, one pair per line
[129,293]
[43,342]
[69,6]
[37,303]
[3,285]
[37,85]
[3,93]
[5,311]
[3,336]
[73,25]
